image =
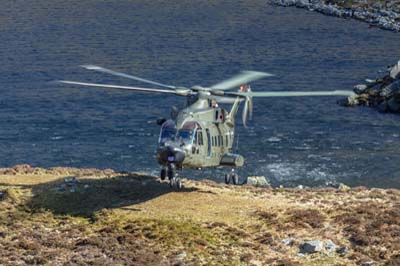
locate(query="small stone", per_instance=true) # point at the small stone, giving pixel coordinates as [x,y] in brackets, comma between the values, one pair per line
[300,187]
[86,186]
[366,262]
[332,184]
[181,256]
[72,190]
[311,247]
[288,241]
[71,180]
[342,250]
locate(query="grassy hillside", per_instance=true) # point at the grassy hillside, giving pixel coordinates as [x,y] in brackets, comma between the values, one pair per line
[108,218]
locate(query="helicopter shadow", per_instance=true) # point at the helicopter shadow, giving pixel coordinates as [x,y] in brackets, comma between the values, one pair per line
[85,196]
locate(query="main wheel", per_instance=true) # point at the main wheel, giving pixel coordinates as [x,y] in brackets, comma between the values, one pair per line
[163,174]
[235,179]
[227,178]
[178,183]
[172,182]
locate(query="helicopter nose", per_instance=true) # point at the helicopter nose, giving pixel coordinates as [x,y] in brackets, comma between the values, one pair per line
[170,154]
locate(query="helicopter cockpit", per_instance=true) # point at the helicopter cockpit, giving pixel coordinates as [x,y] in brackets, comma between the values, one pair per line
[186,135]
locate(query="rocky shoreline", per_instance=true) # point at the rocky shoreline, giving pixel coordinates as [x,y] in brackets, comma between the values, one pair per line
[383,14]
[382,93]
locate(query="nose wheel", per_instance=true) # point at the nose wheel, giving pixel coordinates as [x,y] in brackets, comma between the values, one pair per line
[174,181]
[163,174]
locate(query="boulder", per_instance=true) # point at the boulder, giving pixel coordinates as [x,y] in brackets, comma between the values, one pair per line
[391,89]
[395,71]
[352,100]
[343,187]
[393,105]
[258,181]
[309,247]
[383,107]
[360,88]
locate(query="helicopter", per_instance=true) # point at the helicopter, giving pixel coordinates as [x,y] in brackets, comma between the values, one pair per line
[202,133]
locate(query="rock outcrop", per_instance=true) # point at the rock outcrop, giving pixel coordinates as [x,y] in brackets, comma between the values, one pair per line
[383,14]
[382,93]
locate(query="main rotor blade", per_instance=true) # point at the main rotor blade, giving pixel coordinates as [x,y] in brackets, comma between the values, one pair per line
[117,87]
[244,77]
[222,99]
[290,93]
[119,74]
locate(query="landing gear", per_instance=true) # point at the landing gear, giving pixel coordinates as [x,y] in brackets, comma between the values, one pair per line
[178,183]
[163,174]
[171,171]
[235,178]
[227,178]
[232,176]
[173,180]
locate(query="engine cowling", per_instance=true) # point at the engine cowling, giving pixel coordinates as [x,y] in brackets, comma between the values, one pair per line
[231,159]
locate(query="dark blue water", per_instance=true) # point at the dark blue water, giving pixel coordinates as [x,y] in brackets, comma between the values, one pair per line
[290,141]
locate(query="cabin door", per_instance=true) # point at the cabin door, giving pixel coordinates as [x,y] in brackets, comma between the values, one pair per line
[208,142]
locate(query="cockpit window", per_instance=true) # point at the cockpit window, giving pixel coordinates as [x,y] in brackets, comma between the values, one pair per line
[185,135]
[168,131]
[188,132]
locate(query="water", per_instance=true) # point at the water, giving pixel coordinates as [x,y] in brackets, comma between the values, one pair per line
[291,141]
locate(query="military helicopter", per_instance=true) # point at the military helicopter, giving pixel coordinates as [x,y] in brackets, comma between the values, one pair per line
[202,133]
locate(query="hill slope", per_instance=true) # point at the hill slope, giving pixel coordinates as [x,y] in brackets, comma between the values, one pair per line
[65,216]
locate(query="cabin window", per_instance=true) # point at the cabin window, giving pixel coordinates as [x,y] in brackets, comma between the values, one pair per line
[216,115]
[195,137]
[208,142]
[200,138]
[226,140]
[222,141]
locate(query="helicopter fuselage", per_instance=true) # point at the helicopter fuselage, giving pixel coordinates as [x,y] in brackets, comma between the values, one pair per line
[201,135]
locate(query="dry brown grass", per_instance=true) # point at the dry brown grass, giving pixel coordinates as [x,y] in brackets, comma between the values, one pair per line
[129,219]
